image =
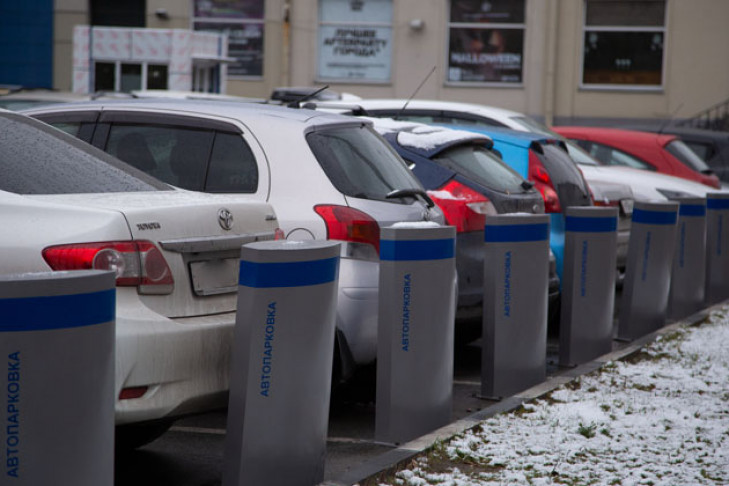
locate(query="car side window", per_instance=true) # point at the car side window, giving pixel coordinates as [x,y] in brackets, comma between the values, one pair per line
[72,128]
[612,156]
[175,155]
[704,150]
[233,166]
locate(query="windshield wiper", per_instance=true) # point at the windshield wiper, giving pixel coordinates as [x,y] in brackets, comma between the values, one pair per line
[411,193]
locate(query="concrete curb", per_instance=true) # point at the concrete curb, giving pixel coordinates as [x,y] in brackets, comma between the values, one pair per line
[391,460]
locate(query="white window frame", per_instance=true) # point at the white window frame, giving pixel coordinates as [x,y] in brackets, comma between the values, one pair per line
[621,28]
[476,25]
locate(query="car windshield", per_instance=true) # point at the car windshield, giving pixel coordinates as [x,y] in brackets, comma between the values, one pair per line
[482,166]
[360,163]
[687,156]
[534,126]
[38,159]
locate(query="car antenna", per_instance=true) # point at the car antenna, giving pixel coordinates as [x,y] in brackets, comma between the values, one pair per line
[670,118]
[414,93]
[297,103]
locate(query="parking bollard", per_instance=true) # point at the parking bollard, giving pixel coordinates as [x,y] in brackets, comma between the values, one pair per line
[516,287]
[688,275]
[717,247]
[57,349]
[415,333]
[281,367]
[647,281]
[588,284]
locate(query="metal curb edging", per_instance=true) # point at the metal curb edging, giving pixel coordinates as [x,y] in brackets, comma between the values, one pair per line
[391,460]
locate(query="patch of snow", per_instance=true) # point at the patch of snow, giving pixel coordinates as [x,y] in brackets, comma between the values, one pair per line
[663,420]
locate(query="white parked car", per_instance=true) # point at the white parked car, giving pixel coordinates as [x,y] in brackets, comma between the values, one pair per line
[327,176]
[65,205]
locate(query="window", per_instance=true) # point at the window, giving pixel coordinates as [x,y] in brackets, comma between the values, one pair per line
[486,41]
[194,159]
[355,40]
[243,21]
[27,146]
[127,77]
[360,164]
[687,156]
[611,156]
[483,166]
[624,43]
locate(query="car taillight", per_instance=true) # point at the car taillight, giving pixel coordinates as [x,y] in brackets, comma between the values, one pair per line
[279,234]
[463,207]
[349,224]
[135,263]
[543,183]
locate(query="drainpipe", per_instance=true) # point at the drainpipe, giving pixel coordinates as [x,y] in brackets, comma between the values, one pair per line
[550,85]
[286,47]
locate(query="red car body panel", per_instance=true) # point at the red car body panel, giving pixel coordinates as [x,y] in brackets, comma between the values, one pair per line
[648,147]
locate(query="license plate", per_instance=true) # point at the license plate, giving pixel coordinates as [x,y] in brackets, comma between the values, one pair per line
[627,206]
[214,277]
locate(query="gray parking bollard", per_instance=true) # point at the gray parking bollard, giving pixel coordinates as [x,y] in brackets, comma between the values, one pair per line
[516,288]
[57,349]
[648,271]
[588,284]
[281,367]
[688,275]
[717,247]
[417,301]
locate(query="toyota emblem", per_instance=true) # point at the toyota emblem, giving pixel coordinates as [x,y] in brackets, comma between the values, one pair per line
[225,219]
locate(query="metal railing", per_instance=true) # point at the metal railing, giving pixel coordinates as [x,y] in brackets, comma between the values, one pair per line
[714,118]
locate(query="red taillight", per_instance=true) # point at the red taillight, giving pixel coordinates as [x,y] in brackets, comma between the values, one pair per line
[132,392]
[463,207]
[135,263]
[279,234]
[349,224]
[543,183]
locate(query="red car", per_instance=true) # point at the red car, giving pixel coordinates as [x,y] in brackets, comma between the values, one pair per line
[642,150]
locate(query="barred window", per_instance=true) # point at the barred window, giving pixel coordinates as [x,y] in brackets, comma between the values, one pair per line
[624,43]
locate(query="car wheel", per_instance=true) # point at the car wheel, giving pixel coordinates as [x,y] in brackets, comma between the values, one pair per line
[133,436]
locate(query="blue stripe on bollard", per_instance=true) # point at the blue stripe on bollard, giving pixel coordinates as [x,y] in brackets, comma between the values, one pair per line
[417,249]
[57,311]
[516,233]
[712,203]
[287,274]
[654,217]
[580,224]
[692,210]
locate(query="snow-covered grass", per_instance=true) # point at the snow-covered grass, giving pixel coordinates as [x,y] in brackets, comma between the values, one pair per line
[659,418]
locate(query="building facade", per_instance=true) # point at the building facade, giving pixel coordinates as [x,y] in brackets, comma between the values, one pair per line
[564,61]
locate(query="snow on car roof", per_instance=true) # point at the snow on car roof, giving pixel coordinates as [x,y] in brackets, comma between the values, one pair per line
[421,136]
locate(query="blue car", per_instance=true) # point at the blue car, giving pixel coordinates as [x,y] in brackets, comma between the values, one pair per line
[545,162]
[468,182]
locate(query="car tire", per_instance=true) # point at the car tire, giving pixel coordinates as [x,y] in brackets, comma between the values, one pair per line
[132,436]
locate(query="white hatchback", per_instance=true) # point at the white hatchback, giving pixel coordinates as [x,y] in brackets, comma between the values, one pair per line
[327,176]
[65,205]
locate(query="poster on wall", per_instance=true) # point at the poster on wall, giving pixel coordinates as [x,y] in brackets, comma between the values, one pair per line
[230,9]
[245,44]
[355,40]
[354,53]
[485,55]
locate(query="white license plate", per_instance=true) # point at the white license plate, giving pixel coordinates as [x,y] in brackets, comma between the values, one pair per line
[215,276]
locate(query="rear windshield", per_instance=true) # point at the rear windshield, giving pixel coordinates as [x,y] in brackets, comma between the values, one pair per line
[38,159]
[566,177]
[360,163]
[482,166]
[687,156]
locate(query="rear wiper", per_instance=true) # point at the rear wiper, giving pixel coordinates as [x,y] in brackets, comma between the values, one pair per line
[411,193]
